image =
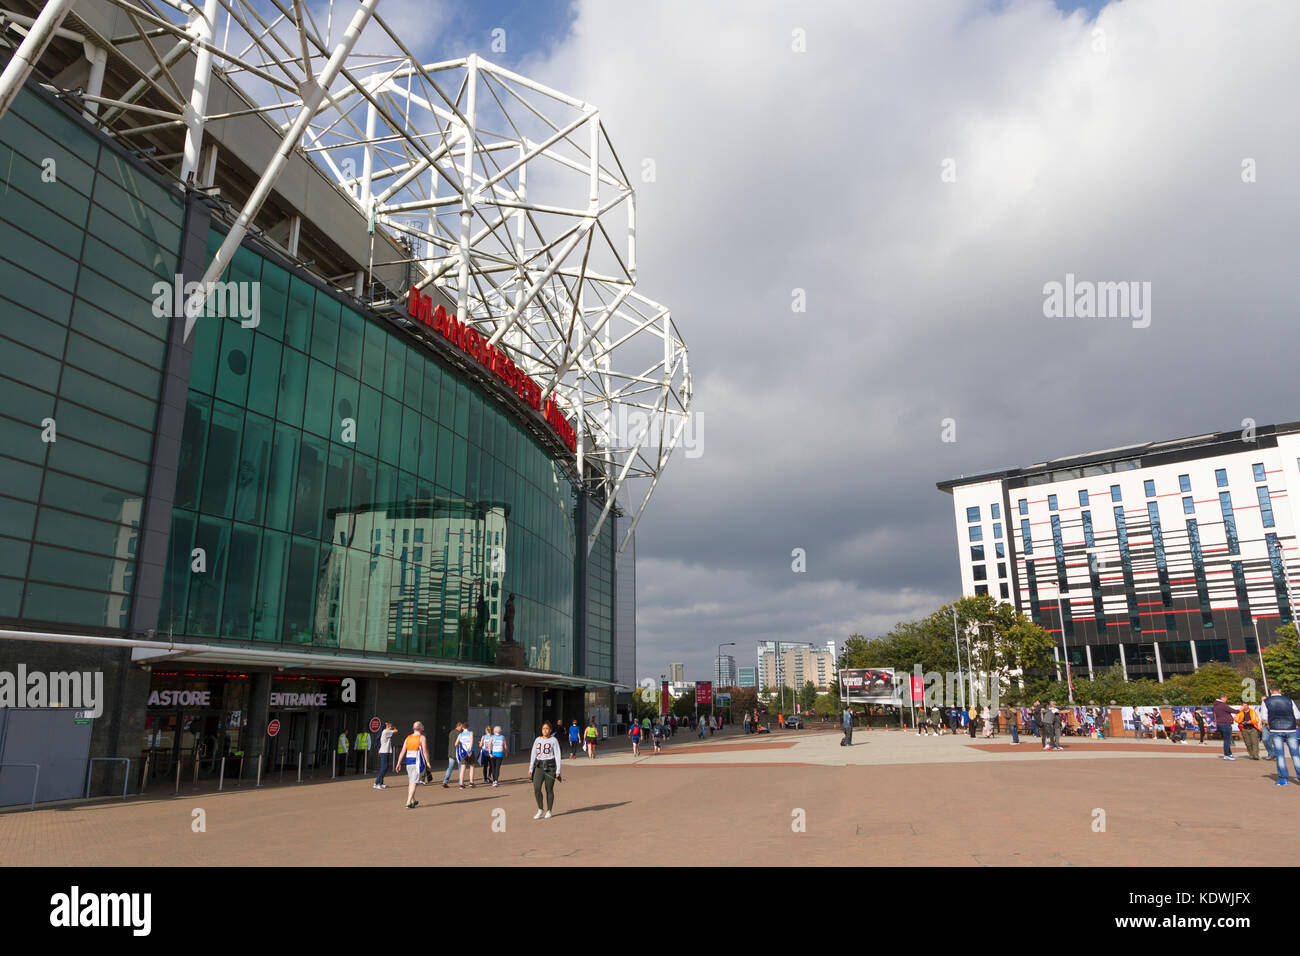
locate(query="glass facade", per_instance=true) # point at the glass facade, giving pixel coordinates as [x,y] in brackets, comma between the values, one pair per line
[81,359]
[349,491]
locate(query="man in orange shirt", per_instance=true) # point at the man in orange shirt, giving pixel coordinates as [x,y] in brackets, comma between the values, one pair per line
[1248,724]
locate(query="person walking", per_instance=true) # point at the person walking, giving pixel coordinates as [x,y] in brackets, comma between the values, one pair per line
[1223,723]
[485,752]
[385,755]
[1248,724]
[544,770]
[1046,718]
[1013,719]
[1280,714]
[415,757]
[497,753]
[1158,724]
[575,735]
[1033,718]
[451,753]
[658,737]
[702,725]
[635,733]
[590,736]
[465,755]
[846,721]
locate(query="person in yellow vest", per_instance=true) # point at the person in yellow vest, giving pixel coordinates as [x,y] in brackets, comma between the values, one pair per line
[342,761]
[363,747]
[1248,724]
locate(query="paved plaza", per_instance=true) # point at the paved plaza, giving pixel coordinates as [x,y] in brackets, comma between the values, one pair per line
[892,799]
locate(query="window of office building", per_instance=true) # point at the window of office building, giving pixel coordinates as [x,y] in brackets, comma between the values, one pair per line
[1024,506]
[980,572]
[997,529]
[1229,522]
[1051,502]
[1260,474]
[977,552]
[1103,656]
[981,590]
[995,510]
[1024,534]
[1126,564]
[1114,493]
[1184,483]
[999,549]
[1243,596]
[1198,565]
[1207,651]
[1221,477]
[1002,569]
[973,513]
[1088,540]
[1265,506]
[1279,577]
[1083,498]
[1189,506]
[1031,579]
[1149,486]
[976,533]
[1004,591]
[1175,653]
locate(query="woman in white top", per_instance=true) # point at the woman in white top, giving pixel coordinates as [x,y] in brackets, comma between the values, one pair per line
[465,755]
[385,754]
[544,770]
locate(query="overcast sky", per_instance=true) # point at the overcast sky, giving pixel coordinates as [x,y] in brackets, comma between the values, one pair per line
[1103,140]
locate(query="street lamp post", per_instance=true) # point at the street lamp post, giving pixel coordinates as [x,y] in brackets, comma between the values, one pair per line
[1065,651]
[961,686]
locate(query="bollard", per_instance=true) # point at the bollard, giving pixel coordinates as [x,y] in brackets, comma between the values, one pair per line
[196,770]
[178,776]
[365,764]
[259,770]
[300,766]
[144,780]
[334,765]
[221,777]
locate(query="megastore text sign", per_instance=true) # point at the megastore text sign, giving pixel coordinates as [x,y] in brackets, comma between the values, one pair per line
[420,307]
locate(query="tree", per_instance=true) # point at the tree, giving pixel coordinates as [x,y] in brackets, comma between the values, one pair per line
[808,696]
[1282,661]
[743,701]
[683,706]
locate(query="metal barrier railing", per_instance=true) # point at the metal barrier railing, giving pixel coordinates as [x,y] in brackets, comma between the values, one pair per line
[126,776]
[35,782]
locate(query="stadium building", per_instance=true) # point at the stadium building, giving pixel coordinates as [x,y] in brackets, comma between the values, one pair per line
[313,406]
[1156,558]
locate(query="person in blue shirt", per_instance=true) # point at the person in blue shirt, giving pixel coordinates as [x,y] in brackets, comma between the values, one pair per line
[575,735]
[496,753]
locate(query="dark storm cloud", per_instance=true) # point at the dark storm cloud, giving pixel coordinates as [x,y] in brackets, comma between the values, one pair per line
[1114,156]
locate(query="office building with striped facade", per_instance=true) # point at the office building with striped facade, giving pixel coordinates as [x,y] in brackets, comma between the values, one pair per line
[1156,558]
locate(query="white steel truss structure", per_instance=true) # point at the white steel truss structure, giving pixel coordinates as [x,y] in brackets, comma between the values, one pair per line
[504,194]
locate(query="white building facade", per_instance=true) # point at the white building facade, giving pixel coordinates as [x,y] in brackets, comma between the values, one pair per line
[1157,557]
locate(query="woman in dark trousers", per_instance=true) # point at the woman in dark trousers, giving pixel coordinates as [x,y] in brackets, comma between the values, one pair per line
[544,770]
[1200,723]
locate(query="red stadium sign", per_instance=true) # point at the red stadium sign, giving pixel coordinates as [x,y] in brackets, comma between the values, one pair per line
[464,337]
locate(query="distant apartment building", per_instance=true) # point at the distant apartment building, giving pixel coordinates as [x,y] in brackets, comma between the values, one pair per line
[724,671]
[746,677]
[792,664]
[676,673]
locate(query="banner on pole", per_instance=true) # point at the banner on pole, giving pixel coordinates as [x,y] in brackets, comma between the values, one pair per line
[704,692]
